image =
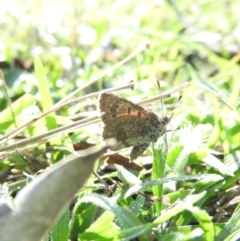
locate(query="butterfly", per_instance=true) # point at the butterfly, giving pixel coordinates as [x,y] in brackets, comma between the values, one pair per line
[130,124]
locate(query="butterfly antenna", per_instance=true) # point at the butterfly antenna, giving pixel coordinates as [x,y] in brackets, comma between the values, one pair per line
[179,98]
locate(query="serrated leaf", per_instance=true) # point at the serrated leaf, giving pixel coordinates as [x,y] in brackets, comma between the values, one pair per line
[148,184]
[126,218]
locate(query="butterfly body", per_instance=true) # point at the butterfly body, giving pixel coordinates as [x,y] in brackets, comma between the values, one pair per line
[130,124]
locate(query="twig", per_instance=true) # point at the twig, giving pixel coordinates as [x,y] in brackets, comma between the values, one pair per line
[7,95]
[56,107]
[108,71]
[94,119]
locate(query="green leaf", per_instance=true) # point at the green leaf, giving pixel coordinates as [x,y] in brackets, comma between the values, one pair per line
[60,231]
[179,207]
[204,220]
[126,219]
[18,107]
[149,184]
[102,229]
[82,217]
[218,165]
[127,177]
[131,233]
[158,170]
[45,93]
[232,226]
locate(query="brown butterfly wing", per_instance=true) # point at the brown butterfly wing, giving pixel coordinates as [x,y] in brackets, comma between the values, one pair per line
[112,106]
[129,123]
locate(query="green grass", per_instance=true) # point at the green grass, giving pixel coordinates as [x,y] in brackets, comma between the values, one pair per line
[196,176]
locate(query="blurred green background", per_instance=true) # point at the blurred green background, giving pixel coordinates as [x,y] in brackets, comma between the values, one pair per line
[78,39]
[194,41]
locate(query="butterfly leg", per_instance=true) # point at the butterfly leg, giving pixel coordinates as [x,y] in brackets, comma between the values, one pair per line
[138,150]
